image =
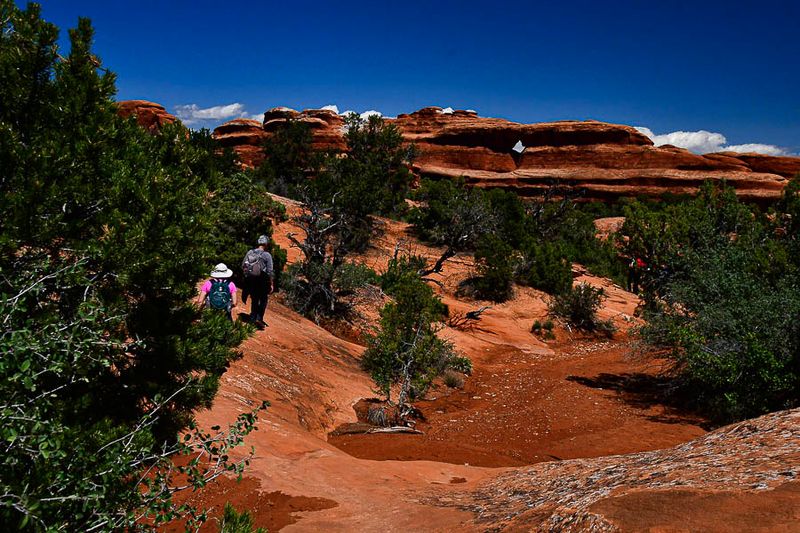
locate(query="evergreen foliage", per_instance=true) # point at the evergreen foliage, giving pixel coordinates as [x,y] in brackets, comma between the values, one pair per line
[495,269]
[406,350]
[106,232]
[721,290]
[546,235]
[289,159]
[236,522]
[543,265]
[578,308]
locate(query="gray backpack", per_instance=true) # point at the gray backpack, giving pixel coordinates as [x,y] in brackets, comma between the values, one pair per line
[253,265]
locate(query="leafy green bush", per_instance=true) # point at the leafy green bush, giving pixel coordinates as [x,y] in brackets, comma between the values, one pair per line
[543,329]
[372,178]
[236,522]
[495,264]
[723,295]
[106,232]
[452,214]
[322,282]
[578,308]
[289,159]
[406,349]
[399,269]
[544,266]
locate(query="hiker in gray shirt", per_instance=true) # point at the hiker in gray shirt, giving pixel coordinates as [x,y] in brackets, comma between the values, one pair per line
[259,280]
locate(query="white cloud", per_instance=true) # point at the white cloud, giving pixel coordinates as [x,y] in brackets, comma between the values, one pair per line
[366,114]
[703,142]
[258,116]
[331,107]
[192,113]
[519,147]
[447,111]
[768,149]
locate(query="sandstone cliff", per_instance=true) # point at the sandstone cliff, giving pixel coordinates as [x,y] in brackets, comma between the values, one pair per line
[607,161]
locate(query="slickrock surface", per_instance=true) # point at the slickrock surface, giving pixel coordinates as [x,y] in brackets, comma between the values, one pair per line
[752,467]
[607,161]
[560,399]
[149,115]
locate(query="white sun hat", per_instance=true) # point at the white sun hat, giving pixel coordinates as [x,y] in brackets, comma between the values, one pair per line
[221,271]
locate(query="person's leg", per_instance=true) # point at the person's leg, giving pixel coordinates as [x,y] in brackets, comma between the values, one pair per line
[253,291]
[262,306]
[264,310]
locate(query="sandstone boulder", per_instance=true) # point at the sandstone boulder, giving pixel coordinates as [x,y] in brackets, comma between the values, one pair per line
[149,115]
[245,137]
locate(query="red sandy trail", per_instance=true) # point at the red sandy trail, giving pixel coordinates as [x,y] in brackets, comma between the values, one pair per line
[528,402]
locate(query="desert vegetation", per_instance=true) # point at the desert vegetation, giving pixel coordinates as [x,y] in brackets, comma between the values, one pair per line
[106,231]
[721,292]
[108,228]
[532,243]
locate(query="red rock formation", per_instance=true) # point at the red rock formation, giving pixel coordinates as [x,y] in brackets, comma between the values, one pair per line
[741,477]
[788,167]
[325,125]
[149,115]
[244,137]
[608,161]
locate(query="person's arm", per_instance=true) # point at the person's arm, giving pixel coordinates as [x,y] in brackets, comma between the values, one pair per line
[233,290]
[201,300]
[270,271]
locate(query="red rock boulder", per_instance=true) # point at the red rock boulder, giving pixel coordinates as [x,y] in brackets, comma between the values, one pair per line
[245,137]
[149,115]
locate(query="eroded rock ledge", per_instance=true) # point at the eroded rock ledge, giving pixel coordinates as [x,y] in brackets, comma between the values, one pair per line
[607,161]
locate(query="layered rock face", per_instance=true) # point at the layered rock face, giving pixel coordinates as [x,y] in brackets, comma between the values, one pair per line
[607,161]
[245,137]
[149,115]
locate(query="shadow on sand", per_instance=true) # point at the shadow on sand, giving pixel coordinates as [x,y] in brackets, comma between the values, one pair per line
[646,391]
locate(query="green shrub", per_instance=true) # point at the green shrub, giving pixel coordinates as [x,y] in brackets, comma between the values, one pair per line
[289,159]
[543,329]
[723,295]
[372,179]
[107,230]
[399,269]
[494,259]
[544,266]
[236,522]
[452,214]
[578,308]
[406,349]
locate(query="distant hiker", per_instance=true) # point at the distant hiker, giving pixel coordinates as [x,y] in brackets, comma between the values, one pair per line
[219,292]
[259,280]
[635,269]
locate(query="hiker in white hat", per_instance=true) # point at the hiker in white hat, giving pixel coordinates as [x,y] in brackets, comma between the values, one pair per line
[219,292]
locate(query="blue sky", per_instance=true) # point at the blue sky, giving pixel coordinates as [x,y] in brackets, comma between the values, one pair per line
[724,73]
